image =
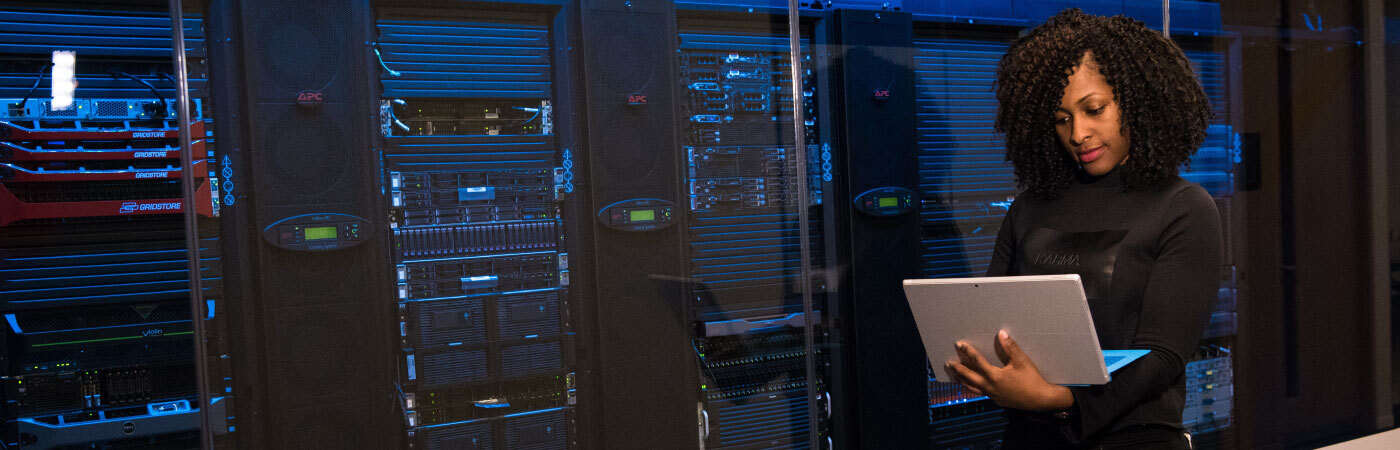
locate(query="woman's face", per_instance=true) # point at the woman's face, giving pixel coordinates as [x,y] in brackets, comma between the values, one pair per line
[1088,121]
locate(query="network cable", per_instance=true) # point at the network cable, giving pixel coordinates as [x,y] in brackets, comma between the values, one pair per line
[164,106]
[39,79]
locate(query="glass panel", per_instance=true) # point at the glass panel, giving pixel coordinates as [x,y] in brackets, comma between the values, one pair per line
[755,188]
[517,225]
[967,187]
[942,148]
[94,281]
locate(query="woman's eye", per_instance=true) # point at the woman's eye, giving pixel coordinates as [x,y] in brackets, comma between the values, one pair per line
[1061,120]
[1097,111]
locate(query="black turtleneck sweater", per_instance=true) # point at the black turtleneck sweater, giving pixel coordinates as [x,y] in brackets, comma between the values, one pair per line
[1150,263]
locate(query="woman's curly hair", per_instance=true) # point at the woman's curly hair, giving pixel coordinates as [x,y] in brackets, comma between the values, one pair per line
[1164,111]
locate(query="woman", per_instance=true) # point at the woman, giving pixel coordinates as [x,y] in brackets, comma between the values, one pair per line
[1098,114]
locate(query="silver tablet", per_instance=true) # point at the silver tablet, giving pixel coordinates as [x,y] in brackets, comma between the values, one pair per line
[1046,314]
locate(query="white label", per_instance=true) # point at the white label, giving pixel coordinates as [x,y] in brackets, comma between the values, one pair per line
[62,80]
[148,155]
[141,175]
[147,134]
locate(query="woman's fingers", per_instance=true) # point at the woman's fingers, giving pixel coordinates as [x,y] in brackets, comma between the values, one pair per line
[973,359]
[1001,347]
[1013,354]
[954,378]
[969,379]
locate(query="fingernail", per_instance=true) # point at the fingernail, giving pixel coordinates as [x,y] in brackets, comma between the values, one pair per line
[1002,333]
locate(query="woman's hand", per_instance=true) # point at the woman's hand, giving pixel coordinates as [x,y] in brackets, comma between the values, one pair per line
[1016,385]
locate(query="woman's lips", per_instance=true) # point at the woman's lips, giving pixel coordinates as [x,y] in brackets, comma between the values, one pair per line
[1090,155]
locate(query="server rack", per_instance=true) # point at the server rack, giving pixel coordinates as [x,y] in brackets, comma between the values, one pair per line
[94,278]
[474,174]
[743,241]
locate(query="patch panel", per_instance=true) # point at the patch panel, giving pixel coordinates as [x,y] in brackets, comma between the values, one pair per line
[96,110]
[447,117]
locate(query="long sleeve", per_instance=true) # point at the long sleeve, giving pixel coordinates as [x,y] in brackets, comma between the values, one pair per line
[1181,285]
[1005,248]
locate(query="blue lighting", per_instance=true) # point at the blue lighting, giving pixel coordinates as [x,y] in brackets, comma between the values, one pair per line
[528,413]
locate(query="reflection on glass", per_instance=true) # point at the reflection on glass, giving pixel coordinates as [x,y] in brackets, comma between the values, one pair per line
[94,288]
[966,186]
[743,241]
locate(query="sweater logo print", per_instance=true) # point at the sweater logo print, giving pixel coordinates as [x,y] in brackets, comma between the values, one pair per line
[1091,254]
[1057,259]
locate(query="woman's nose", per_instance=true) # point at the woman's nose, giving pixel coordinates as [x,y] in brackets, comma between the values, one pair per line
[1081,133]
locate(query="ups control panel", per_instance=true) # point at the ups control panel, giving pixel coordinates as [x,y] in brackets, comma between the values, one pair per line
[641,214]
[317,232]
[886,202]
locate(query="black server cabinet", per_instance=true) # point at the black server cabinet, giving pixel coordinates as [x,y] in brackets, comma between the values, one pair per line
[309,331]
[878,213]
[645,372]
